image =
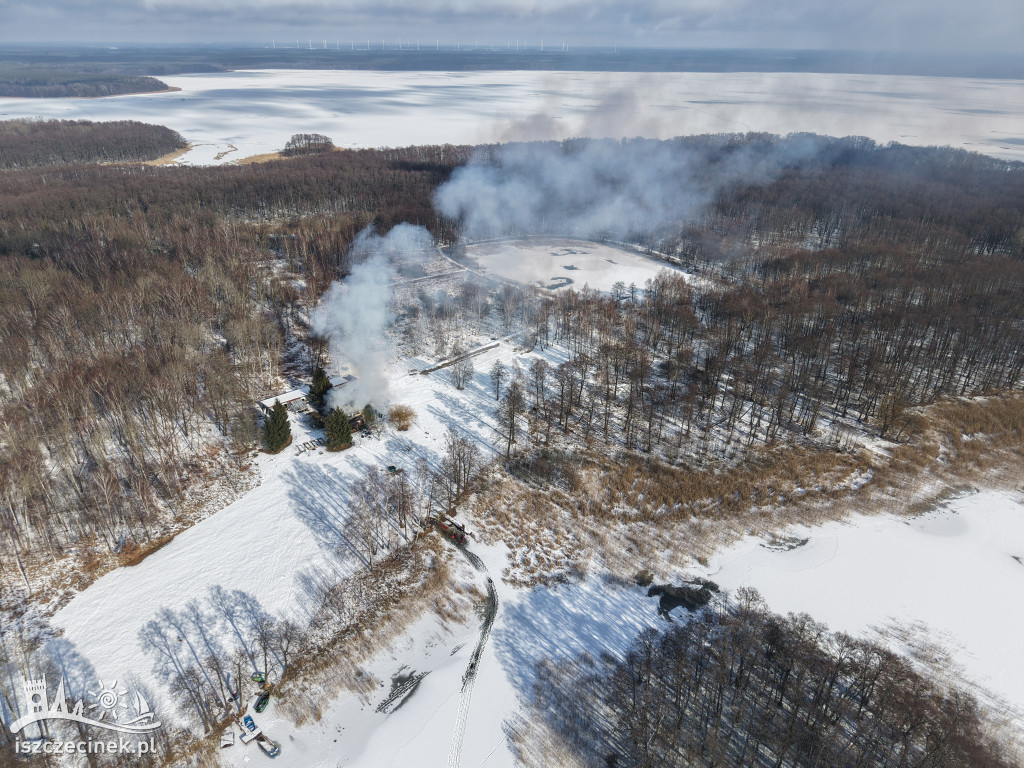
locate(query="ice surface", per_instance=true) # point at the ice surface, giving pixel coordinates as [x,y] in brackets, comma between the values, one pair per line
[558,263]
[952,569]
[239,114]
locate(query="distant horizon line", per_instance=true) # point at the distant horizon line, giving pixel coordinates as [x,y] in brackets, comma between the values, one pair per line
[547,45]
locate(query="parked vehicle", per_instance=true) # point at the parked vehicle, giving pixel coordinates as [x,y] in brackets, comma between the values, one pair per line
[451,529]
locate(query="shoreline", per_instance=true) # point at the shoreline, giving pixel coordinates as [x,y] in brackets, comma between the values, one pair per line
[168,89]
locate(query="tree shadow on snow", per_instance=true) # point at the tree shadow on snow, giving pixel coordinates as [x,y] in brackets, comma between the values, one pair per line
[465,422]
[320,495]
[565,621]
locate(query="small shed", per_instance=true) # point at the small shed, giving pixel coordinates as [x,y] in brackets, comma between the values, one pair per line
[296,400]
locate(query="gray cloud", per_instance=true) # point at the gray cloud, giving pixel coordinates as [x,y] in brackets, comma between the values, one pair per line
[982,26]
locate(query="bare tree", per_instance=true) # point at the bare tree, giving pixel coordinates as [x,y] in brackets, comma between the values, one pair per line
[510,413]
[458,467]
[462,368]
[498,374]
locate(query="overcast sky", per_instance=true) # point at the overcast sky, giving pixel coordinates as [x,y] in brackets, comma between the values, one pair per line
[931,25]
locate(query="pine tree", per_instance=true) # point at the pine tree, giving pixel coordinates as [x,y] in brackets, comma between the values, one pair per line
[369,415]
[276,429]
[339,433]
[319,388]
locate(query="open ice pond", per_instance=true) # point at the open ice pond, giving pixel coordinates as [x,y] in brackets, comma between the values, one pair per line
[231,115]
[956,570]
[557,263]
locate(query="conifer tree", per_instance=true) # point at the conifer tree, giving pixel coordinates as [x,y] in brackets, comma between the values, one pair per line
[369,415]
[276,429]
[319,388]
[339,433]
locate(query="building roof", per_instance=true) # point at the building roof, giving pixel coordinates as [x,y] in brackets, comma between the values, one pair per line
[301,393]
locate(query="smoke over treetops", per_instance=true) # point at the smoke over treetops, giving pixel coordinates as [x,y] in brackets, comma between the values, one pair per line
[583,188]
[587,188]
[354,314]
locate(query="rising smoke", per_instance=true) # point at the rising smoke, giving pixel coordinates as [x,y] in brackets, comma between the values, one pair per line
[581,188]
[354,314]
[612,188]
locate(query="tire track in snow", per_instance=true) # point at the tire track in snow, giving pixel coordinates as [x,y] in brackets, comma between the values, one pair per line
[490,612]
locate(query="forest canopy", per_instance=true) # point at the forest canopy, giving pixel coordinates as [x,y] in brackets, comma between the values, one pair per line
[739,686]
[145,310]
[55,82]
[34,143]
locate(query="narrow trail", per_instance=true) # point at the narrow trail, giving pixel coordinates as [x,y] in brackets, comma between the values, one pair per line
[490,612]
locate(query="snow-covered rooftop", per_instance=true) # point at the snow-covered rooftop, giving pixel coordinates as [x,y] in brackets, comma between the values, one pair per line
[299,394]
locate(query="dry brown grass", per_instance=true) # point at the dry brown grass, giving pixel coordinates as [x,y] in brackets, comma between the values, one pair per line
[634,512]
[363,615]
[170,157]
[402,416]
[266,157]
[133,554]
[631,510]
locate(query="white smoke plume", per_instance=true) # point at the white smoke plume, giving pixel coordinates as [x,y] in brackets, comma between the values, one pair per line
[588,188]
[354,314]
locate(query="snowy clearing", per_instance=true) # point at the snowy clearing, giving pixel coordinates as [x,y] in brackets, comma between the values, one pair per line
[955,570]
[557,263]
[855,576]
[866,573]
[234,115]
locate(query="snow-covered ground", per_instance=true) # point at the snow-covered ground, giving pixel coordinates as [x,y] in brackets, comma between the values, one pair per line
[558,263]
[953,568]
[957,570]
[291,525]
[232,115]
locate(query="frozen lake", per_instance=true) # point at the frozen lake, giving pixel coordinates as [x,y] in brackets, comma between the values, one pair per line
[229,116]
[957,571]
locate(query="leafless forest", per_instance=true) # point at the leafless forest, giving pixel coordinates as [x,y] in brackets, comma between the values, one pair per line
[145,309]
[32,143]
[748,688]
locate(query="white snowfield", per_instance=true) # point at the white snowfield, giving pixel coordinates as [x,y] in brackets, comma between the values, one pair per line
[956,569]
[557,264]
[268,545]
[233,115]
